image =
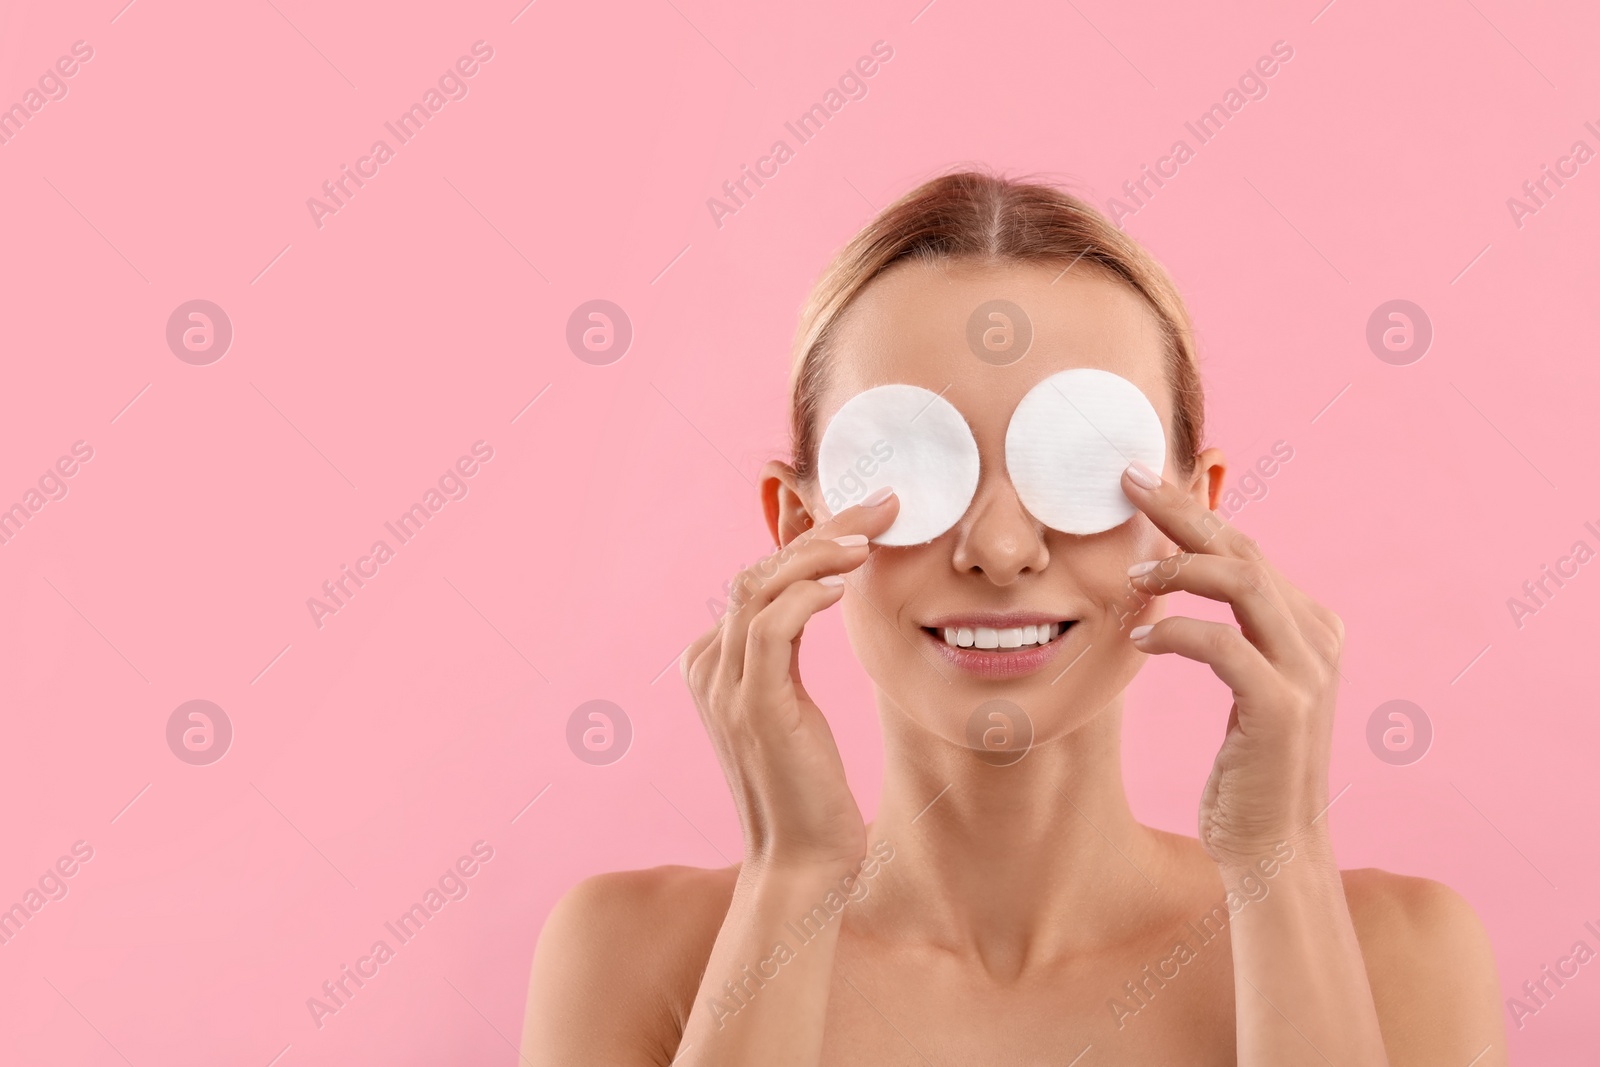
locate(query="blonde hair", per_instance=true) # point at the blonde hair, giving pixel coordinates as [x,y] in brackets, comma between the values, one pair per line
[974,215]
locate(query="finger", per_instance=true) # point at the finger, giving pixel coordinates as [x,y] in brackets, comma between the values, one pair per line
[856,525]
[1204,532]
[811,557]
[696,649]
[1322,629]
[1281,619]
[775,633]
[1176,514]
[872,516]
[831,548]
[1239,664]
[698,665]
[1265,617]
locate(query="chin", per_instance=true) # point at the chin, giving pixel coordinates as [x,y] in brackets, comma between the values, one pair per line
[996,701]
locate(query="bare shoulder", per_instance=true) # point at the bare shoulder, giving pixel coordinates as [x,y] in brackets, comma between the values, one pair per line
[618,963]
[671,906]
[1431,967]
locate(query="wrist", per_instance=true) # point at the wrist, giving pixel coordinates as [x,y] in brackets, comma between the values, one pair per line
[1306,853]
[1240,835]
[832,881]
[778,876]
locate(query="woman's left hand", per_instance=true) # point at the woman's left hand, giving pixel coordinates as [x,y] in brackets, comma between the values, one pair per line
[1270,780]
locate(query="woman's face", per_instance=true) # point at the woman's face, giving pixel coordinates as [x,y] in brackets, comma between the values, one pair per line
[997,567]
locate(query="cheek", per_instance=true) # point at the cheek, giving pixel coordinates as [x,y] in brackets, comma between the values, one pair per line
[875,604]
[1141,542]
[883,652]
[878,610]
[1099,564]
[1113,607]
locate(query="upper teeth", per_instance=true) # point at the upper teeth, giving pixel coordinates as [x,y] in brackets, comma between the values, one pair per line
[1002,637]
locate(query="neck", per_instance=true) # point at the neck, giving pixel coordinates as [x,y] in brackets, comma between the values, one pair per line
[1009,863]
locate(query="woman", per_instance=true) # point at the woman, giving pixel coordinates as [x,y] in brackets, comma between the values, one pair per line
[1011,910]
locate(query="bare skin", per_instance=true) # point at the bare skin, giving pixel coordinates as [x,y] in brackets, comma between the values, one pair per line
[1014,914]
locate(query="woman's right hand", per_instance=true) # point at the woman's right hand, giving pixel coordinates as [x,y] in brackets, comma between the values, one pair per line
[772,740]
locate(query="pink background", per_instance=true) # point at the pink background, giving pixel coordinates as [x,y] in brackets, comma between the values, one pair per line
[370,353]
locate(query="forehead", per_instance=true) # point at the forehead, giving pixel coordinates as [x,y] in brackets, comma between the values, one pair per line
[911,326]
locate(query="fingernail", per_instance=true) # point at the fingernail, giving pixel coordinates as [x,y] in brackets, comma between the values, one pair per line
[877,496]
[1143,475]
[851,540]
[832,581]
[1143,568]
[1138,632]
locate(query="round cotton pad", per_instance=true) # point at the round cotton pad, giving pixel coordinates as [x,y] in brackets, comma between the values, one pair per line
[910,439]
[1070,440]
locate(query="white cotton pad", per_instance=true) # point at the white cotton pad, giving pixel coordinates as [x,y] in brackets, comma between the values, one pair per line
[1069,442]
[913,441]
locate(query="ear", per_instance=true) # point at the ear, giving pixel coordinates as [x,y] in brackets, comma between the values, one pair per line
[787,514]
[1210,468]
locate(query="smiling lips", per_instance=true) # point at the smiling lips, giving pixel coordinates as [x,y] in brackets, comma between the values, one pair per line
[1001,637]
[998,645]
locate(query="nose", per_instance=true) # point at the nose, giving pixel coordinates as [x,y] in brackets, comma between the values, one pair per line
[998,537]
